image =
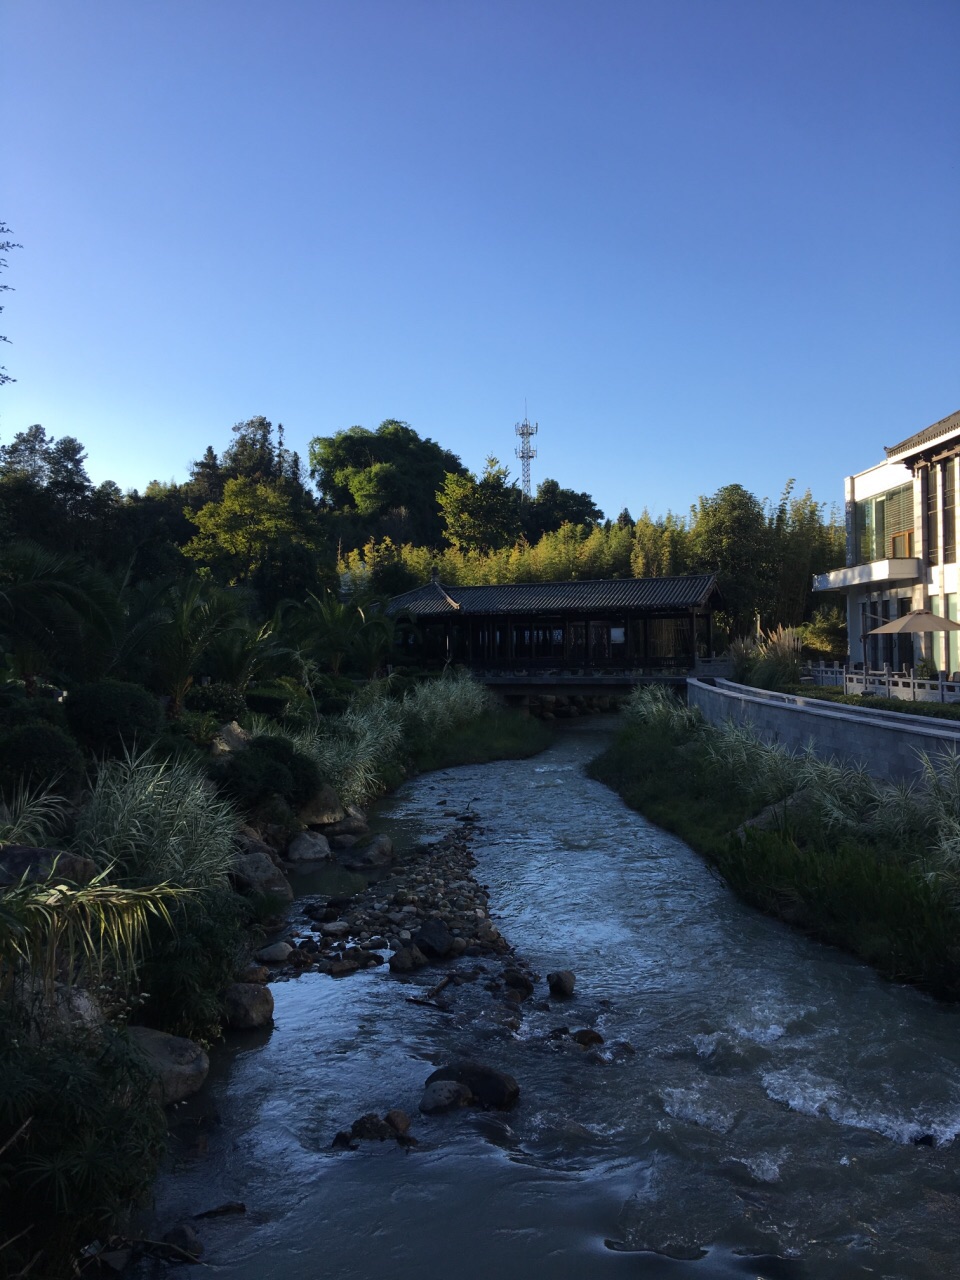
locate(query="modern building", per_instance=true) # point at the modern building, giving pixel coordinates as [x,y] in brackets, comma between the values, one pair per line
[639,625]
[901,526]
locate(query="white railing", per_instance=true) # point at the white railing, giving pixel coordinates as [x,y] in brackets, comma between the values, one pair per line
[886,683]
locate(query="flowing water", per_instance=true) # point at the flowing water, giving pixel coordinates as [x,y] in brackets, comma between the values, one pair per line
[762,1106]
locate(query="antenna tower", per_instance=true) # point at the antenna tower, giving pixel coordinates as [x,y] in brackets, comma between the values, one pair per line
[526,450]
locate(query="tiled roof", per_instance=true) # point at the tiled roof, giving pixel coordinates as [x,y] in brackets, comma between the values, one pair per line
[927,436]
[436,600]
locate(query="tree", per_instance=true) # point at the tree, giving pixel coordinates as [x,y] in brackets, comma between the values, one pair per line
[730,536]
[5,247]
[480,515]
[252,523]
[388,477]
[554,506]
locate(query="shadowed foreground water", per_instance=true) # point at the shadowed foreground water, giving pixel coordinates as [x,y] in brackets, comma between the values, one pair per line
[764,1125]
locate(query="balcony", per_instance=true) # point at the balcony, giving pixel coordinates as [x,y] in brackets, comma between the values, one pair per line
[876,573]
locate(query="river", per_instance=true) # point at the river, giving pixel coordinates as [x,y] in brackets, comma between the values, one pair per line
[754,1111]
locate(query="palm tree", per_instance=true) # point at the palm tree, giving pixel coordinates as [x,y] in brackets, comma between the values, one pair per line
[192,615]
[328,628]
[54,611]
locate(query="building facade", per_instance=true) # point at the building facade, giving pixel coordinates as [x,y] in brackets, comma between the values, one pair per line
[901,527]
[623,624]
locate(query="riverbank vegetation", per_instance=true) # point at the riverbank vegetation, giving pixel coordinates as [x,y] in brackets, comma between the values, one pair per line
[866,866]
[135,920]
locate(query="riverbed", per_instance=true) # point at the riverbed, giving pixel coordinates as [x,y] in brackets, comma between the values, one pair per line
[761,1105]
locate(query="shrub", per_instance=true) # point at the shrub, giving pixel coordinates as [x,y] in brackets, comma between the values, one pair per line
[157,820]
[81,1137]
[107,715]
[39,755]
[223,701]
[186,968]
[271,701]
[249,777]
[16,710]
[304,772]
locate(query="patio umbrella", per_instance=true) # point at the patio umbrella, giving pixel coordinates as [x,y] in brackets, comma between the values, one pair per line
[915,620]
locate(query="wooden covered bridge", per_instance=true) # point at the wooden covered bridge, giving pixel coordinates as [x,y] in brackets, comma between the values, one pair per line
[619,630]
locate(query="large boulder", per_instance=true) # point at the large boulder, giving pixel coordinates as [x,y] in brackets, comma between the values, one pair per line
[487,1086]
[19,860]
[179,1065]
[248,1005]
[351,824]
[561,983]
[308,846]
[444,1095]
[378,853]
[254,872]
[323,808]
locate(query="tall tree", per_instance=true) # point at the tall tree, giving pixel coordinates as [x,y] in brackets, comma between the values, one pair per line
[388,478]
[554,506]
[730,536]
[253,522]
[481,515]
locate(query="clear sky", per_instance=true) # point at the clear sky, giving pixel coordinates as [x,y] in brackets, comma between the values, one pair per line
[705,240]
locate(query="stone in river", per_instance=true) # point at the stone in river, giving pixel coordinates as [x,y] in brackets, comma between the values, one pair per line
[587,1036]
[398,1120]
[276,953]
[407,958]
[248,1005]
[489,1087]
[179,1065]
[308,846]
[434,939]
[561,983]
[444,1095]
[518,981]
[371,1127]
[185,1239]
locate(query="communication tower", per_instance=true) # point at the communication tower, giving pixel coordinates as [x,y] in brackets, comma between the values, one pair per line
[526,450]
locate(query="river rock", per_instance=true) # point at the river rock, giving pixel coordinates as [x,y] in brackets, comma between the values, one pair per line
[255,973]
[407,958]
[587,1037]
[254,873]
[489,1087]
[398,1121]
[20,861]
[335,929]
[179,1065]
[248,1005]
[561,983]
[184,1238]
[323,808]
[444,1095]
[434,939]
[378,853]
[519,982]
[372,1128]
[352,823]
[308,846]
[276,953]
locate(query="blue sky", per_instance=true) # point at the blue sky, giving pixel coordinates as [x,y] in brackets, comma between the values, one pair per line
[706,241]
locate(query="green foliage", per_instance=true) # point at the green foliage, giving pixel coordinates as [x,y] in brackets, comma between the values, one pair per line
[81,1137]
[776,664]
[185,969]
[305,775]
[108,716]
[871,867]
[493,735]
[155,820]
[251,522]
[39,754]
[269,700]
[935,710]
[31,815]
[825,635]
[388,476]
[222,701]
[435,707]
[480,515]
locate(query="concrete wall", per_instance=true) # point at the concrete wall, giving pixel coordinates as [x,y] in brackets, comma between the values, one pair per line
[885,741]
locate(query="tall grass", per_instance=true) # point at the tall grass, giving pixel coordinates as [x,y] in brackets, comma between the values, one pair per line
[155,821]
[865,864]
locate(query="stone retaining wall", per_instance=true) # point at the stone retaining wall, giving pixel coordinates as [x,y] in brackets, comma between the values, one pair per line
[887,742]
